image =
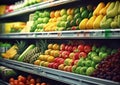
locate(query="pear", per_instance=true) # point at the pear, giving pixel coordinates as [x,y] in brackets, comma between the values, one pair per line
[114,24]
[113,12]
[106,22]
[118,20]
[112,4]
[119,8]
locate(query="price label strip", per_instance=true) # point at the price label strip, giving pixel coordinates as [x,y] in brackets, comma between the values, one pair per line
[107,33]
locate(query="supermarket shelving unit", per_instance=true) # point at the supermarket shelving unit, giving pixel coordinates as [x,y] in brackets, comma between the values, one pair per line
[67,77]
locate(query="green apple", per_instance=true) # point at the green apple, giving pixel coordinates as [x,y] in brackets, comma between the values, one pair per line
[58,23]
[93,54]
[80,62]
[64,17]
[88,63]
[78,70]
[97,50]
[83,70]
[90,70]
[63,12]
[45,20]
[63,24]
[46,13]
[40,14]
[96,59]
[103,49]
[74,68]
[104,55]
[70,17]
[93,64]
[40,20]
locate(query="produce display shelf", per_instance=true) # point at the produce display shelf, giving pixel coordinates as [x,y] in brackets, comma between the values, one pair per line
[3,82]
[95,34]
[66,77]
[38,6]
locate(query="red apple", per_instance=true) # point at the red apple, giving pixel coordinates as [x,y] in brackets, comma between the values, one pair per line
[61,61]
[66,47]
[62,47]
[65,54]
[50,65]
[55,65]
[75,62]
[87,48]
[56,60]
[81,47]
[82,54]
[70,48]
[74,48]
[76,56]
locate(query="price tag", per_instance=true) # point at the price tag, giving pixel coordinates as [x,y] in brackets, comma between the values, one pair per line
[78,34]
[107,33]
[59,35]
[86,34]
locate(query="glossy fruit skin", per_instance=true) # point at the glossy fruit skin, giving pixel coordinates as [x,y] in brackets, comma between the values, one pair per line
[87,48]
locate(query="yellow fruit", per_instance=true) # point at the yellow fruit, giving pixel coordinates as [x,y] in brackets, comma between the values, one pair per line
[98,8]
[83,23]
[50,59]
[50,46]
[56,53]
[103,10]
[37,62]
[89,24]
[46,64]
[55,47]
[96,24]
[57,13]
[52,14]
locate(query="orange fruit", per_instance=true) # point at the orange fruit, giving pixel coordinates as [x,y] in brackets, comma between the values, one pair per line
[50,59]
[55,47]
[45,57]
[47,52]
[37,62]
[52,14]
[46,64]
[56,53]
[50,46]
[57,13]
[41,57]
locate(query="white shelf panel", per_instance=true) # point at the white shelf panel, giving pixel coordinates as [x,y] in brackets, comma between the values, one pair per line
[95,34]
[66,77]
[38,6]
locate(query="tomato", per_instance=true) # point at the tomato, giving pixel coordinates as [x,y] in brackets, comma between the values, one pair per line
[16,82]
[38,84]
[43,84]
[32,81]
[38,80]
[11,83]
[21,83]
[27,82]
[29,77]
[11,80]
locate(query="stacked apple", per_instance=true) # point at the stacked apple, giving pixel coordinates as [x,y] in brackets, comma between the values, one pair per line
[55,16]
[66,16]
[109,68]
[41,18]
[49,57]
